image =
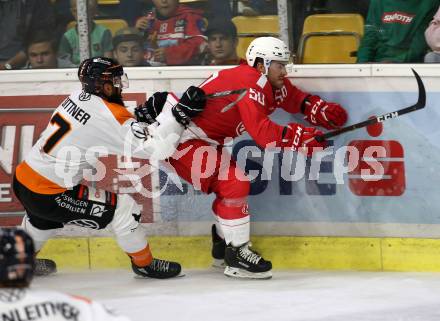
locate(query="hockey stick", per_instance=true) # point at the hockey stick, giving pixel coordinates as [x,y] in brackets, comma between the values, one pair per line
[421,102]
[241,93]
[232,104]
[225,93]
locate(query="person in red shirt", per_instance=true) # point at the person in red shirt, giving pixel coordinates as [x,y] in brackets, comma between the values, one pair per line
[202,160]
[175,35]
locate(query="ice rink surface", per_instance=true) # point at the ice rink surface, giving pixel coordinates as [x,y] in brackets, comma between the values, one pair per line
[290,295]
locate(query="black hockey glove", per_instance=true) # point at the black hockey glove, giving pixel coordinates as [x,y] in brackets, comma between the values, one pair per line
[149,110]
[191,104]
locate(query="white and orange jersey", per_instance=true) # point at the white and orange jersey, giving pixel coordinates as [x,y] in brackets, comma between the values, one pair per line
[41,305]
[85,127]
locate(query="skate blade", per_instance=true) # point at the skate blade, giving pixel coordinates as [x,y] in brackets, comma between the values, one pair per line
[243,274]
[180,275]
[217,263]
[43,274]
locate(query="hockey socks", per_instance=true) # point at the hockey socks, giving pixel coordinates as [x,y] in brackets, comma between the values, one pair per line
[142,257]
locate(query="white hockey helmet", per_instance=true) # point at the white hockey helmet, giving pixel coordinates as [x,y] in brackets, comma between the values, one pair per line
[267,48]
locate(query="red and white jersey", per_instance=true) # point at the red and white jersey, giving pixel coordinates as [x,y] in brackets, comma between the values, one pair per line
[29,304]
[182,36]
[250,113]
[85,127]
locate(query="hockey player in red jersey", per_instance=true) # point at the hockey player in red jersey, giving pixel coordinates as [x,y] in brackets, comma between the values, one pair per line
[265,77]
[48,181]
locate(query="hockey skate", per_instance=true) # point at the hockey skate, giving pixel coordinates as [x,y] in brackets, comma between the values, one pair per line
[44,267]
[243,262]
[218,249]
[158,269]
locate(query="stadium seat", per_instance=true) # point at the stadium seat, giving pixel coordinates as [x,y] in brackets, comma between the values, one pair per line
[108,2]
[113,24]
[330,38]
[249,28]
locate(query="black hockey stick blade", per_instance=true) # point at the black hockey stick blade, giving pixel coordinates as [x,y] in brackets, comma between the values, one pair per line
[226,93]
[421,102]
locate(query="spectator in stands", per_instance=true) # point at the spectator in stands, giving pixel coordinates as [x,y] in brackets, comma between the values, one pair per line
[175,35]
[432,36]
[41,52]
[100,37]
[394,31]
[259,7]
[128,47]
[63,15]
[222,44]
[17,19]
[129,9]
[219,9]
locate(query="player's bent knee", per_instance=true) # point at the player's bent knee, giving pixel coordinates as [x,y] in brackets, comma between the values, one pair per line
[40,236]
[130,235]
[243,188]
[127,215]
[234,189]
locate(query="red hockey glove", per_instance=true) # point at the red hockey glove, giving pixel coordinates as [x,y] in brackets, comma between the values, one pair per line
[321,113]
[304,139]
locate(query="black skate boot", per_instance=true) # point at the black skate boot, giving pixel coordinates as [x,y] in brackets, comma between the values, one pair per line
[158,269]
[218,249]
[243,262]
[44,267]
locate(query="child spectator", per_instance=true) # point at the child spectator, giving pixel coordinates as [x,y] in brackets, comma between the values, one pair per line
[394,31]
[100,36]
[177,33]
[128,47]
[432,36]
[222,44]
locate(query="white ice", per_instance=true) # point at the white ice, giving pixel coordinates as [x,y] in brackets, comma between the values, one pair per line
[207,295]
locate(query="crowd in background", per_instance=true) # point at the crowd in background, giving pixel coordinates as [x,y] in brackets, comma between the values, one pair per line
[43,33]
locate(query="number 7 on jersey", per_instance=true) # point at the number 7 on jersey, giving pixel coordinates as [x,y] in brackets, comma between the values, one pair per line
[63,128]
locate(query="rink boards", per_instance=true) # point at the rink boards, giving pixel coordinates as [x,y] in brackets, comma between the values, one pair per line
[334,220]
[285,252]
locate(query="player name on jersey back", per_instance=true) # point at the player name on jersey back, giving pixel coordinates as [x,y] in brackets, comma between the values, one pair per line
[42,310]
[77,112]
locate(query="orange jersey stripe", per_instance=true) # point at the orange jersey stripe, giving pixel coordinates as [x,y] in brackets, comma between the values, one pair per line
[119,112]
[36,182]
[81,298]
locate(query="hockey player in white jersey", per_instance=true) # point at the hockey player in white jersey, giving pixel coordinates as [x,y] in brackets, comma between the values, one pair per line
[91,123]
[19,302]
